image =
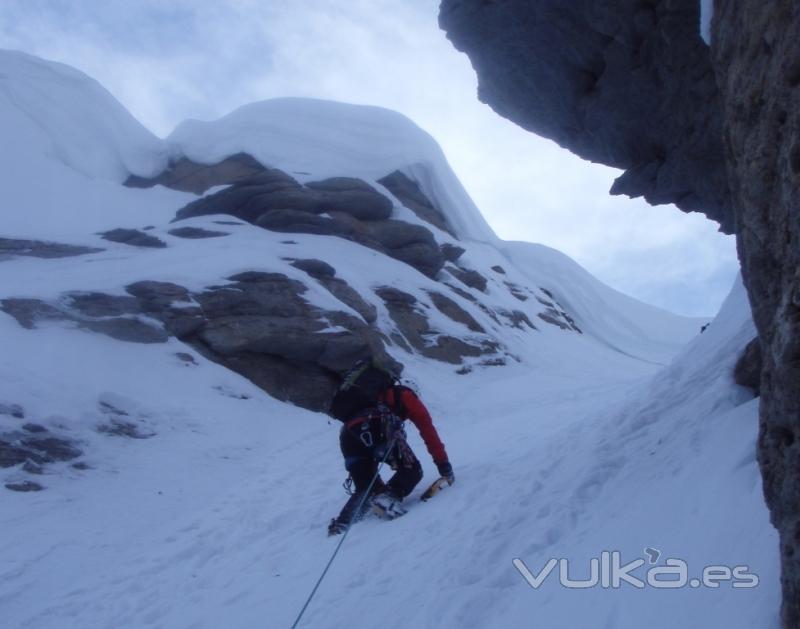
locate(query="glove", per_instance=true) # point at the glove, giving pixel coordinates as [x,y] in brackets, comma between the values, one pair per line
[446,472]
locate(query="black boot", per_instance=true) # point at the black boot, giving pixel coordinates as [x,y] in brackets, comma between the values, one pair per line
[350,513]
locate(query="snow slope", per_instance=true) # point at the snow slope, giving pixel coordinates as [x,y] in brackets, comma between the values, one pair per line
[67,145]
[51,108]
[220,519]
[584,444]
[622,322]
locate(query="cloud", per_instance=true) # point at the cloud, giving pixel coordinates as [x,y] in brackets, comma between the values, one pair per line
[201,59]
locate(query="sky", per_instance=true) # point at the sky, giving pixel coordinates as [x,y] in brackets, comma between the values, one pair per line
[167,61]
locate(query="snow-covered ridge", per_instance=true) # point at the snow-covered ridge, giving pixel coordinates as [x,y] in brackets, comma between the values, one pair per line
[67,130]
[315,139]
[635,328]
[54,109]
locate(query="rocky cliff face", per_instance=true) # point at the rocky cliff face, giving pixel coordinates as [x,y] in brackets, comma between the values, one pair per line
[631,84]
[628,84]
[756,57]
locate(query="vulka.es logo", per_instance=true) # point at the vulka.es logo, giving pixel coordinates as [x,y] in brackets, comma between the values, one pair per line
[608,571]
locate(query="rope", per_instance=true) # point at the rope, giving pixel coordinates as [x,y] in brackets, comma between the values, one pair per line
[344,535]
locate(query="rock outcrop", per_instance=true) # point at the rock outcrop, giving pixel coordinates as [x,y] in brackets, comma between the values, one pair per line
[261,325]
[32,449]
[196,233]
[134,238]
[410,195]
[340,206]
[258,325]
[631,84]
[325,274]
[468,277]
[628,84]
[117,322]
[10,247]
[188,176]
[413,324]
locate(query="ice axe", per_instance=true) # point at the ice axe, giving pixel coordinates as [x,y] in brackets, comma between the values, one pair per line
[437,485]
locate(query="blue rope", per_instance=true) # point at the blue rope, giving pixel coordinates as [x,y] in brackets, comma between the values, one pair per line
[344,536]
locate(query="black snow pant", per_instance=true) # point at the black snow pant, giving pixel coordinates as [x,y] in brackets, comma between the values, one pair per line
[362,464]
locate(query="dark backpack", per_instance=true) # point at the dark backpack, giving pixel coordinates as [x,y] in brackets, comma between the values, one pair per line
[361,389]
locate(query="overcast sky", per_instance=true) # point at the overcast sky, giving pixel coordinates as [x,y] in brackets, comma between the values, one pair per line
[168,60]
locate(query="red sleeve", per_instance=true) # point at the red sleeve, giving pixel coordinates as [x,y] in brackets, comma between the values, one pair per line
[419,415]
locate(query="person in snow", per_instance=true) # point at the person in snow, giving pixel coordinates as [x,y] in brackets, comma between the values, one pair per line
[373,406]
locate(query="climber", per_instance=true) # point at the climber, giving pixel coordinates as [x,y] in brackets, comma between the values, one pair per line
[372,404]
